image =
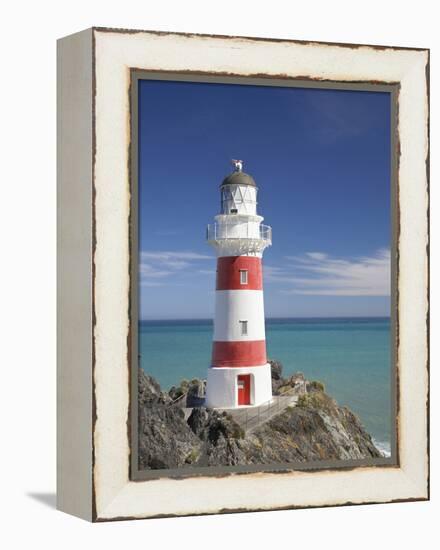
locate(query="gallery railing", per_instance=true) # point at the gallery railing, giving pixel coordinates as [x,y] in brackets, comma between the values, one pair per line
[180,400]
[221,231]
[254,416]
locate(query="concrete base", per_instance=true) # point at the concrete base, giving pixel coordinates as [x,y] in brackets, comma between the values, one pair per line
[222,386]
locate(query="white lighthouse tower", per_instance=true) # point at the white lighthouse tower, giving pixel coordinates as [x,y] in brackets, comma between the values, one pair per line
[239,374]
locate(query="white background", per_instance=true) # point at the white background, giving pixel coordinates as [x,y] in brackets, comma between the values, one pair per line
[27,398]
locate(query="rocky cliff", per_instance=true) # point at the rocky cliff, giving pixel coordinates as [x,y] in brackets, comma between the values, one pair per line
[171,435]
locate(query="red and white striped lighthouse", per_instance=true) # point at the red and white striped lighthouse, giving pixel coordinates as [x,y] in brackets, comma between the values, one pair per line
[239,374]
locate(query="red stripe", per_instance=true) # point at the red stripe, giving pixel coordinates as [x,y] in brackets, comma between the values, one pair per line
[245,353]
[228,273]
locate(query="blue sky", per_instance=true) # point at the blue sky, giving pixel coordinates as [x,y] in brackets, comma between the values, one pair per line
[321,160]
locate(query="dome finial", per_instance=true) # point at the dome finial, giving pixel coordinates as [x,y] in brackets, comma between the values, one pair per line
[238,165]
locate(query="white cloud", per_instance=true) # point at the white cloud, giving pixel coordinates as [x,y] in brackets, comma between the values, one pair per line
[149,271]
[150,283]
[273,273]
[318,274]
[154,265]
[316,255]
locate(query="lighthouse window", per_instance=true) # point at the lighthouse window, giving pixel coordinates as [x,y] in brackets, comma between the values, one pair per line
[243,276]
[243,328]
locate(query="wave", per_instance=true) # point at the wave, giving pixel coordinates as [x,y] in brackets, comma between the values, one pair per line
[384,447]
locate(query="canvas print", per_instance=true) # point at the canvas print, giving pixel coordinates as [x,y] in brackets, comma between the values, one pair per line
[265,330]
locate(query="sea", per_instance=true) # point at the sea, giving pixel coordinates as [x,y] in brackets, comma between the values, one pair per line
[351,356]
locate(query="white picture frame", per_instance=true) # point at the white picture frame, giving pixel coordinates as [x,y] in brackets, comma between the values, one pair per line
[94,224]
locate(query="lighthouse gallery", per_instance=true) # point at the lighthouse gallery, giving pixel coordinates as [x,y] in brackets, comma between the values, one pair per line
[239,374]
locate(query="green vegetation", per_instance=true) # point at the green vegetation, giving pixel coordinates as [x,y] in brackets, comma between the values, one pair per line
[193,456]
[315,385]
[303,401]
[182,388]
[315,400]
[237,432]
[284,389]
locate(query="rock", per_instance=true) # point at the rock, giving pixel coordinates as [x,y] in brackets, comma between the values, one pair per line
[294,384]
[314,431]
[193,390]
[336,430]
[196,393]
[282,385]
[165,440]
[317,428]
[199,420]
[176,392]
[221,436]
[276,369]
[211,425]
[149,390]
[197,388]
[315,386]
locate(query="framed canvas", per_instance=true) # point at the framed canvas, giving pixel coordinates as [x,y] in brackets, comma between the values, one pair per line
[182,388]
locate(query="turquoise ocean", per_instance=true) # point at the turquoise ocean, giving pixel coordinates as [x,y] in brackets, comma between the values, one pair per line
[351,356]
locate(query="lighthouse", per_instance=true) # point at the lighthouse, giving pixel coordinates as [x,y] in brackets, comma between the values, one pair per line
[239,374]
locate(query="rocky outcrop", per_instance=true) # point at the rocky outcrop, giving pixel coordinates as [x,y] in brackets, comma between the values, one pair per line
[191,393]
[165,439]
[149,392]
[276,370]
[220,435]
[317,428]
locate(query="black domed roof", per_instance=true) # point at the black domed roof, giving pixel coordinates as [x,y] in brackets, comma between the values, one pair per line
[239,178]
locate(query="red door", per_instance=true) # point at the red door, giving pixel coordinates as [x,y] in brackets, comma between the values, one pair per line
[244,389]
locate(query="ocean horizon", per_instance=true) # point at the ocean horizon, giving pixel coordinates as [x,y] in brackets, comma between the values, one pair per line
[311,318]
[350,355]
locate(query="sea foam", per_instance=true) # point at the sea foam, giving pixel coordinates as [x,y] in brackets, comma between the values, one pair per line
[384,447]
